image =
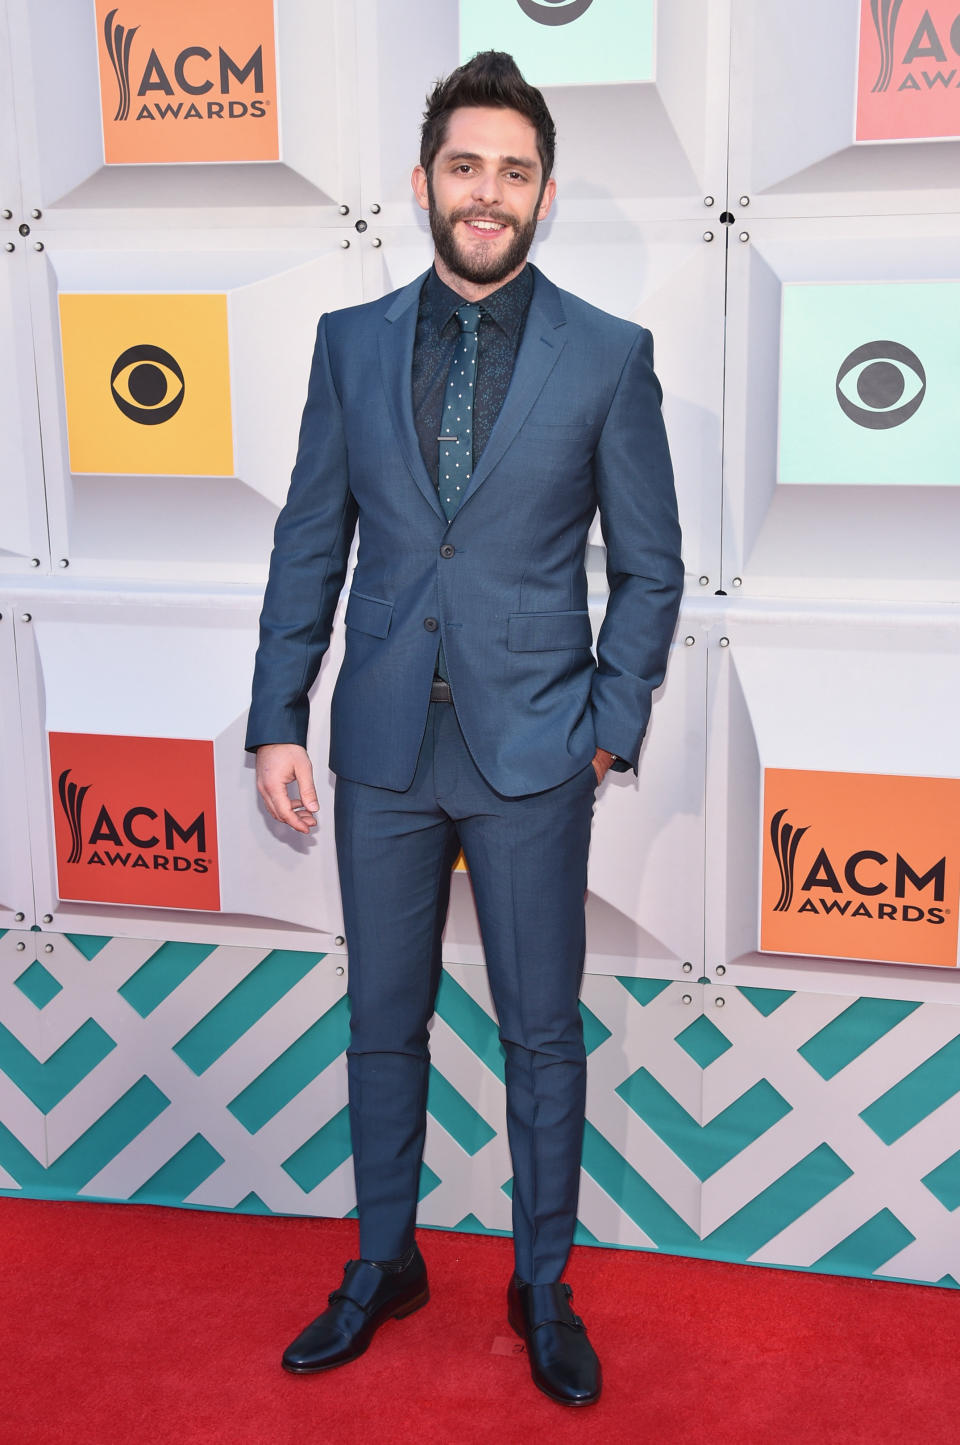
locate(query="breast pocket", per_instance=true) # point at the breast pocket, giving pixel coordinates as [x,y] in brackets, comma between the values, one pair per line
[368,614]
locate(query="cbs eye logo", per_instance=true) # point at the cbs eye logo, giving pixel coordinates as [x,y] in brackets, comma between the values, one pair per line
[885,396]
[147,384]
[554,12]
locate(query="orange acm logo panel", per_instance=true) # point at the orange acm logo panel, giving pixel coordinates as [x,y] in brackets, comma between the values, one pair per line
[135,820]
[187,80]
[860,865]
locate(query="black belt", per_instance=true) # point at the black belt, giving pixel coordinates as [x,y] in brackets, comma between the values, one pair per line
[440,690]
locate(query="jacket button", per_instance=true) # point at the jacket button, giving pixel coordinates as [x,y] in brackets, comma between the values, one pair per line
[431,624]
[447,550]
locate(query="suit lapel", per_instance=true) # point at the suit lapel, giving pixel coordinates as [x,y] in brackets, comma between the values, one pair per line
[397,336]
[539,350]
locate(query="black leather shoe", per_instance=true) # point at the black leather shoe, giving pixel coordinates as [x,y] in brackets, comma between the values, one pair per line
[563,1362]
[368,1295]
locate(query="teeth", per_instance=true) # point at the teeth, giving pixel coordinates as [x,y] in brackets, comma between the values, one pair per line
[487,225]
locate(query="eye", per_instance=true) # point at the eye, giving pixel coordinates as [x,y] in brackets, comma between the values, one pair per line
[881,385]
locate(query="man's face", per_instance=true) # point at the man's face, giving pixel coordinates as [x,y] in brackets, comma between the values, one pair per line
[483,194]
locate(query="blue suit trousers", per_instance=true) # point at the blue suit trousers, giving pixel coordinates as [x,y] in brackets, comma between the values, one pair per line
[528,865]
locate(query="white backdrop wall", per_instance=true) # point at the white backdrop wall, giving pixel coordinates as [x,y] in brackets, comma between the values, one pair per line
[770,1002]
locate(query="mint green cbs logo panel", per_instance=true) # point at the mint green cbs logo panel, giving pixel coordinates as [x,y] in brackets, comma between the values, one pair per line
[565,42]
[869,377]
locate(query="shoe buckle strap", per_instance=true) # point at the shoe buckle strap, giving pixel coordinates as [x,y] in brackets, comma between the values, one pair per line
[339,1294]
[361,1281]
[550,1305]
[571,1321]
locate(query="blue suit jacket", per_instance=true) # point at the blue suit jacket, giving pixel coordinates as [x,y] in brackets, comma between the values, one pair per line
[580,427]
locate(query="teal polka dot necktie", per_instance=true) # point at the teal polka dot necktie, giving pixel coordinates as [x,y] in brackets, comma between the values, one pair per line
[455,451]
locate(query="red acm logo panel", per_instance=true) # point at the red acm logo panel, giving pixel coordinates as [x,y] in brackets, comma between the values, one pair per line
[135,820]
[908,84]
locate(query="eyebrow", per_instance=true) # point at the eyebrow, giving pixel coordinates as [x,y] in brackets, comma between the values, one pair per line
[521,162]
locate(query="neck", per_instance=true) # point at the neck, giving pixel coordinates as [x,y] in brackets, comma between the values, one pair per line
[469,290]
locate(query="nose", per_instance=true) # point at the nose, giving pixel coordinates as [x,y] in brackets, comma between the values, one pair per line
[487,188]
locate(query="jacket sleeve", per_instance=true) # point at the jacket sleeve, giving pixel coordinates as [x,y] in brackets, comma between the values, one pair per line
[308,564]
[638,518]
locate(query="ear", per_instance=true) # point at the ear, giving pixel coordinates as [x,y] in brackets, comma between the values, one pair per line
[547,199]
[419,182]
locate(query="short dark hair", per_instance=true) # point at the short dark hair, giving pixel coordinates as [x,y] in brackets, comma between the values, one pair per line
[491,78]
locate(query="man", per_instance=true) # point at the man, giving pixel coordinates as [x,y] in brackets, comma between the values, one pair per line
[471,422]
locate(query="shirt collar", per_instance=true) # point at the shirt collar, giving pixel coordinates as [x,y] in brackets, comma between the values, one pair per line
[507,306]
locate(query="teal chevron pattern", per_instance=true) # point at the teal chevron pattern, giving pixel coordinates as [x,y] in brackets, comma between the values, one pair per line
[46,1083]
[759,1125]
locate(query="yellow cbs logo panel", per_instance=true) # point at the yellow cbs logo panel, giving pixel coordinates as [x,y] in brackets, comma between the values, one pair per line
[147,382]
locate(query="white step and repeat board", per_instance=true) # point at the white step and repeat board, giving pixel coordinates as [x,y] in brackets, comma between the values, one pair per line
[770,1003]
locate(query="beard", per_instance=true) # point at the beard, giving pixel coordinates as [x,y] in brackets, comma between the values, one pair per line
[471,264]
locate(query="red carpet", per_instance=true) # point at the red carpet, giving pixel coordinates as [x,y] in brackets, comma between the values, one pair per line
[133,1323]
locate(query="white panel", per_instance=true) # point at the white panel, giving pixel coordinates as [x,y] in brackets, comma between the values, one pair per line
[862,690]
[16,883]
[9,158]
[58,112]
[662,141]
[856,541]
[27,1024]
[644,904]
[23,518]
[174,665]
[191,527]
[792,120]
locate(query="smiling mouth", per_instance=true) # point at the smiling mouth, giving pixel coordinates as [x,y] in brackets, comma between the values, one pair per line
[480,226]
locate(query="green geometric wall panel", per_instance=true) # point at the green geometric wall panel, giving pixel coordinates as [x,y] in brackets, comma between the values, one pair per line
[704,1148]
[840,1042]
[760,1125]
[163,972]
[917,1095]
[37,984]
[944,1182]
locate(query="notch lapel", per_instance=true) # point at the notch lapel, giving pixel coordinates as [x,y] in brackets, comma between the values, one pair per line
[397,336]
[537,355]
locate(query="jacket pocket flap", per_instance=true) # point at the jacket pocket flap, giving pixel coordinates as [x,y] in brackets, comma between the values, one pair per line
[368,614]
[547,631]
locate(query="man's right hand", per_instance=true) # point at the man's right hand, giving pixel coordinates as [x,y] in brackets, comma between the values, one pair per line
[277,765]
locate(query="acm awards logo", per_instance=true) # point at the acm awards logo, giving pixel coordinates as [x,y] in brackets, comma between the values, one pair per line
[155,79]
[188,82]
[909,70]
[135,820]
[860,866]
[865,874]
[131,835]
[925,46]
